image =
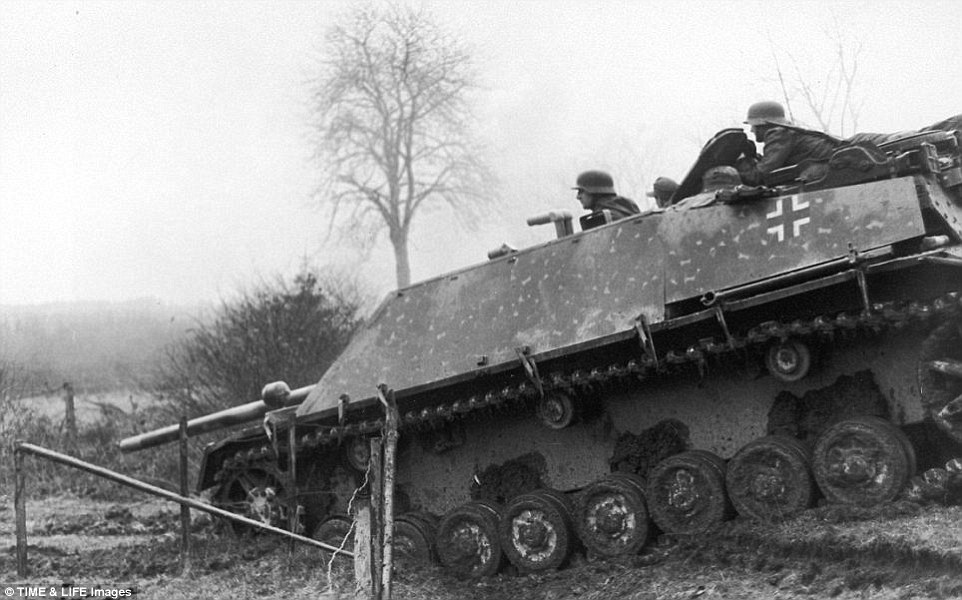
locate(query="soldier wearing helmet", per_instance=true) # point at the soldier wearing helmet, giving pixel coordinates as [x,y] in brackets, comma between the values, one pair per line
[785,144]
[720,178]
[713,181]
[596,192]
[662,191]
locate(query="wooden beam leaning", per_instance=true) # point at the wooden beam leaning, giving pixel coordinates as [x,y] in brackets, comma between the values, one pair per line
[22,447]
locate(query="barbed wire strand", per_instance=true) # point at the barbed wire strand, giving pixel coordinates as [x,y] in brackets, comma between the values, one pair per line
[350,531]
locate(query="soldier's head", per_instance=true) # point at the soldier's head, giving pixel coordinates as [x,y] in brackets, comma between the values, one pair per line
[720,178]
[592,185]
[662,191]
[764,115]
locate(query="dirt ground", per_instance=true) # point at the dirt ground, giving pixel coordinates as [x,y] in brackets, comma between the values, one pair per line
[898,551]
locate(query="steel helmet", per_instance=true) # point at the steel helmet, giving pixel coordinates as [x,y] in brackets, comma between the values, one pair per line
[664,186]
[595,182]
[719,178]
[764,112]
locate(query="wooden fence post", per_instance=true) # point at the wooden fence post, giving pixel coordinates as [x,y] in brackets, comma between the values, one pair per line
[70,413]
[390,448]
[363,580]
[376,482]
[20,506]
[294,506]
[184,509]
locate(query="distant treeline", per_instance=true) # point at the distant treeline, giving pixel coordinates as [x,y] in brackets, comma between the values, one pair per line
[96,346]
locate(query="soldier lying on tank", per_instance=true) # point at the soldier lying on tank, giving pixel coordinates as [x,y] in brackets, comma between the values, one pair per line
[785,144]
[953,123]
[662,191]
[715,180]
[596,192]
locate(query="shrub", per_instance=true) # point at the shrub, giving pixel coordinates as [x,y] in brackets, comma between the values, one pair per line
[280,330]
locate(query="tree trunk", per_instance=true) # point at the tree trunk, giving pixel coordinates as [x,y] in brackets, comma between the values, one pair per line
[402,265]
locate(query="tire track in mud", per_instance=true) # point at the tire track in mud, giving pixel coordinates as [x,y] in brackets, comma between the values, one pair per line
[878,553]
[833,556]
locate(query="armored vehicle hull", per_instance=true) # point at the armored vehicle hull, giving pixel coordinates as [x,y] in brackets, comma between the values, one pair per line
[770,345]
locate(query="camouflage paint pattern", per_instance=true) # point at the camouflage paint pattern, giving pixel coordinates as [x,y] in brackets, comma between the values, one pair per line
[597,283]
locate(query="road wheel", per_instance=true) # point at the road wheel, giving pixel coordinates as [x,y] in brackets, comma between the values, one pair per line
[940,377]
[614,519]
[536,531]
[468,544]
[863,460]
[255,493]
[686,492]
[413,540]
[336,530]
[771,478]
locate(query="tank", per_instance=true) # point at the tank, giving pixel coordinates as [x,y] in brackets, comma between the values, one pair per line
[743,351]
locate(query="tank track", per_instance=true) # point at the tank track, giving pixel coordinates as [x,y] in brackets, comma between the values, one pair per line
[881,317]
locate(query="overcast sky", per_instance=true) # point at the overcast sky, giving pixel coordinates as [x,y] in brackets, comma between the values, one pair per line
[160,149]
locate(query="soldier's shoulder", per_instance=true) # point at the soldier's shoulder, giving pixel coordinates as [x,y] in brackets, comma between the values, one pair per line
[631,204]
[777,133]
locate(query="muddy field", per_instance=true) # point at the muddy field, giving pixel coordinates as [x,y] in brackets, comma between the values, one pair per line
[901,550]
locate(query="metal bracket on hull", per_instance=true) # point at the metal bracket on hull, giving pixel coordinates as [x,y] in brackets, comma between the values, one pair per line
[530,368]
[645,339]
[720,317]
[853,257]
[342,403]
[385,396]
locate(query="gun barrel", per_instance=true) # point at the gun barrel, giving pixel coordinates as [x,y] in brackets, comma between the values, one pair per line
[236,415]
[560,218]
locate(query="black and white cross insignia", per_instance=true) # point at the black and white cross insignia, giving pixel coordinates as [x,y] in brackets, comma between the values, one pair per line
[781,220]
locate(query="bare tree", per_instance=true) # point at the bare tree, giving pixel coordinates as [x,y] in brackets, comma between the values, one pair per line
[393,123]
[829,96]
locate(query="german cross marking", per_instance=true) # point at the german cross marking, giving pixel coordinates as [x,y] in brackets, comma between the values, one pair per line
[791,220]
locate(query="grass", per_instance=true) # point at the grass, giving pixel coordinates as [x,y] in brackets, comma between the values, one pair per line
[102,421]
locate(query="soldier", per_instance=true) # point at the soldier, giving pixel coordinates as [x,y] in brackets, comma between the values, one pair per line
[719,178]
[596,192]
[785,144]
[714,180]
[662,191]
[953,123]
